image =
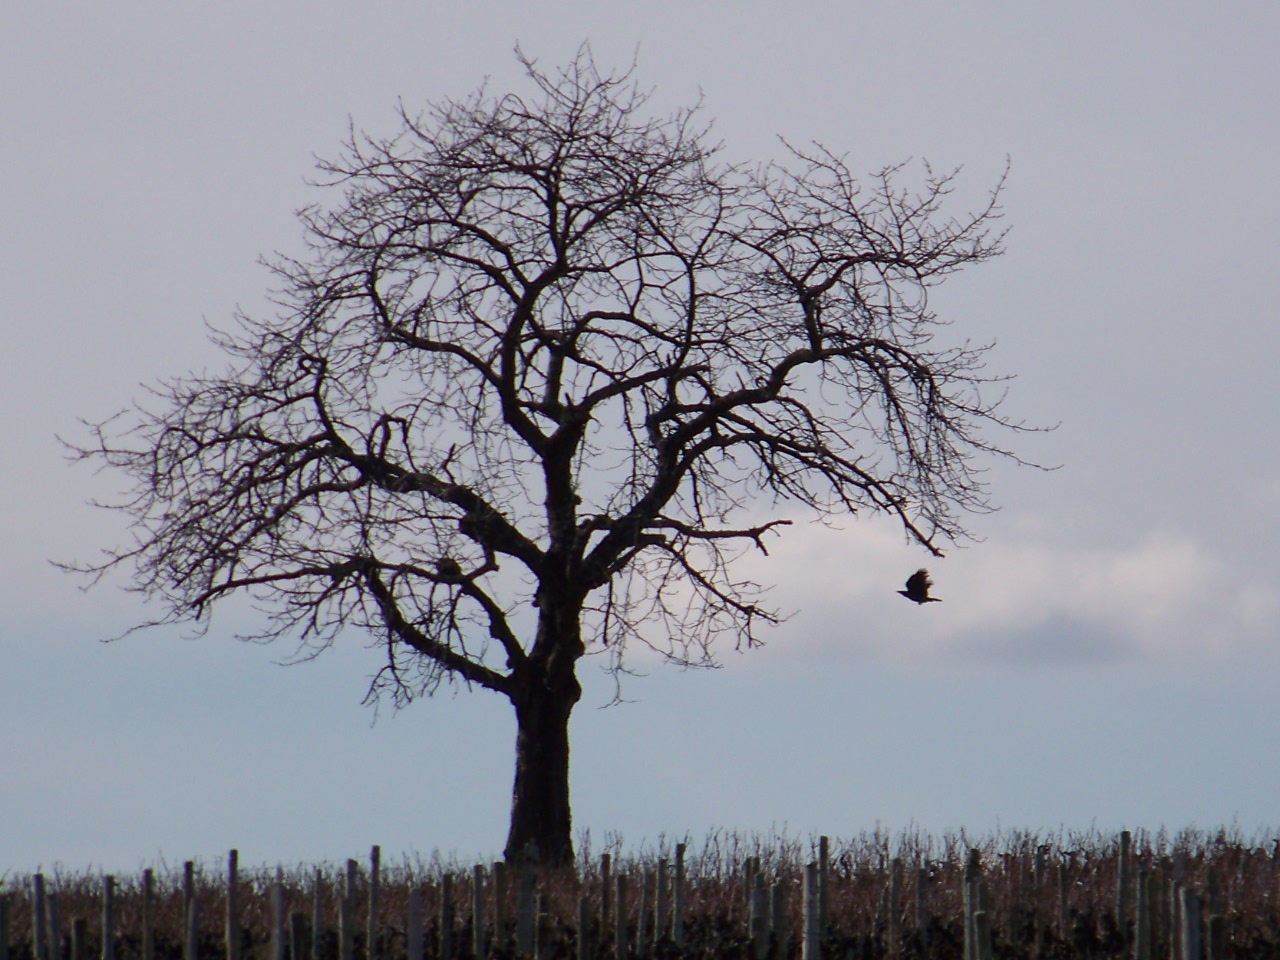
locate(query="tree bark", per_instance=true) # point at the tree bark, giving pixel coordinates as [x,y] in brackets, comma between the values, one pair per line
[540,822]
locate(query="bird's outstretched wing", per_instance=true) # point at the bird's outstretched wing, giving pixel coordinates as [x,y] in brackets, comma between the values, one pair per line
[918,585]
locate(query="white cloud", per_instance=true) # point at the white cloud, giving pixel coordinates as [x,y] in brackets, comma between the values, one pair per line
[1029,595]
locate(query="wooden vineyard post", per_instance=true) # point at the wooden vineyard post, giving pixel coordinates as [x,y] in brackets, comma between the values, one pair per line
[191,935]
[351,882]
[1062,899]
[499,908]
[278,944]
[662,899]
[1037,899]
[446,917]
[1182,862]
[972,875]
[986,932]
[1160,905]
[39,933]
[879,920]
[812,934]
[750,867]
[413,925]
[108,919]
[1275,873]
[758,920]
[1211,911]
[661,903]
[677,899]
[922,906]
[1122,888]
[1142,917]
[1010,883]
[188,886]
[1190,925]
[967,908]
[232,932]
[620,951]
[346,926]
[824,874]
[148,915]
[584,951]
[892,933]
[477,913]
[605,864]
[375,879]
[317,912]
[1215,941]
[54,924]
[778,918]
[1174,933]
[79,939]
[299,936]
[646,908]
[982,935]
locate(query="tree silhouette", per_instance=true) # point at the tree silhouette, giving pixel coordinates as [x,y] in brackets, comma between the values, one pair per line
[545,366]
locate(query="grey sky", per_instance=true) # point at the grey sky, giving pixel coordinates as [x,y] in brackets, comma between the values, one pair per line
[1117,626]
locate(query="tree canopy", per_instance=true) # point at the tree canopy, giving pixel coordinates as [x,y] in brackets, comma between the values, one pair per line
[548,365]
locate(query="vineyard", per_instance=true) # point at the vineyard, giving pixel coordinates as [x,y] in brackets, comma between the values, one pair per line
[1185,897]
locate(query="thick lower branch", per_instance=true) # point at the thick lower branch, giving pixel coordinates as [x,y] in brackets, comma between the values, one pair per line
[406,632]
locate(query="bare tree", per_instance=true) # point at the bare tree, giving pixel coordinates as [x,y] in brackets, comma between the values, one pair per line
[529,393]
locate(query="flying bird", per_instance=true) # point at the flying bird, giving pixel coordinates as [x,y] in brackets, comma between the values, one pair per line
[918,585]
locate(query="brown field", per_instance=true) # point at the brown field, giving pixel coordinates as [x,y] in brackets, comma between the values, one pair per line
[900,895]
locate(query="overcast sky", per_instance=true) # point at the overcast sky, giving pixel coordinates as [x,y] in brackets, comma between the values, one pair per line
[1107,654]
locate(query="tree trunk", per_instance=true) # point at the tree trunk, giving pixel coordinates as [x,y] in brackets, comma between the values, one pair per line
[540,822]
